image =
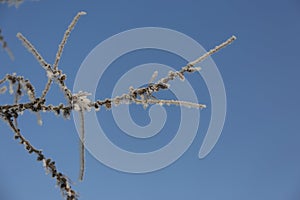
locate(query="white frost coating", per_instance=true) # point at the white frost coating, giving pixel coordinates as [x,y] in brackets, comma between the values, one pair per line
[81,102]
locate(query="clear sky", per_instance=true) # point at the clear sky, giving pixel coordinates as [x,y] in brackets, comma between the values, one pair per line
[257,155]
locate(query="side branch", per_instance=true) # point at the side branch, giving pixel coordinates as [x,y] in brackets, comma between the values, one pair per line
[61,179]
[80,101]
[65,38]
[33,50]
[212,51]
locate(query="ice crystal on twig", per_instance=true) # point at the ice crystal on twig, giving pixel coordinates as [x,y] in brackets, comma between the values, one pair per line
[81,102]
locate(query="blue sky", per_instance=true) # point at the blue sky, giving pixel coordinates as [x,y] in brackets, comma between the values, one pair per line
[257,156]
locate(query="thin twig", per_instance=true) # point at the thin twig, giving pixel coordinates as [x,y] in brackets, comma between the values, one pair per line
[59,53]
[47,88]
[81,145]
[33,50]
[61,179]
[212,51]
[65,38]
[79,101]
[172,102]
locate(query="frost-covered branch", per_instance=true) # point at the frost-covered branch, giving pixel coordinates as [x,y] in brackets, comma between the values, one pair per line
[79,102]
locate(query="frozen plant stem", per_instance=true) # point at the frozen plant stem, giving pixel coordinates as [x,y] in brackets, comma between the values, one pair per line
[144,95]
[37,104]
[61,179]
[34,52]
[65,38]
[79,101]
[81,147]
[212,51]
[60,49]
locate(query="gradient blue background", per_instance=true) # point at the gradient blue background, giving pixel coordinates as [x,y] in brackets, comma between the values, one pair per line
[257,156]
